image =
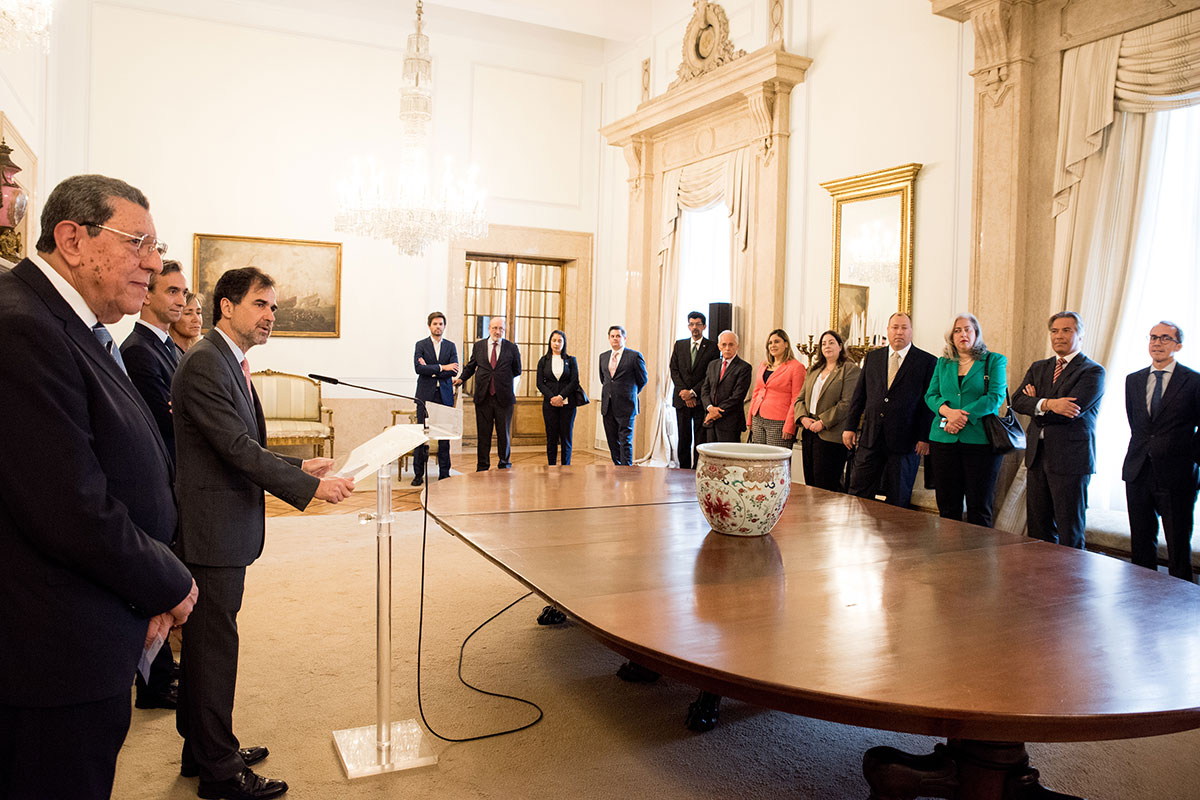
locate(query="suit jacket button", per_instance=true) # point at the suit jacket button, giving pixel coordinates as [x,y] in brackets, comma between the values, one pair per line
[885,399]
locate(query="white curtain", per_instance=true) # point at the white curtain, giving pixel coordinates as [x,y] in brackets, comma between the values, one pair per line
[1110,92]
[694,186]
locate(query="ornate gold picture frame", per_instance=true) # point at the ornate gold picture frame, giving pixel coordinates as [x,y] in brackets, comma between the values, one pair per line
[872,249]
[308,278]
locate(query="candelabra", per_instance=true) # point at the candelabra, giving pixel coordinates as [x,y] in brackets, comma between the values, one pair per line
[856,351]
[809,350]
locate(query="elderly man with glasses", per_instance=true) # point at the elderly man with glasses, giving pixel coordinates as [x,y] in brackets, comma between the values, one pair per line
[1162,403]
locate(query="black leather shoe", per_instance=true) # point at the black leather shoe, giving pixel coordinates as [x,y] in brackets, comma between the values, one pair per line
[250,755]
[443,476]
[149,699]
[636,673]
[417,481]
[551,616]
[246,785]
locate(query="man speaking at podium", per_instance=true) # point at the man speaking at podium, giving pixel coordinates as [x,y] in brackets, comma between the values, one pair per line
[224,466]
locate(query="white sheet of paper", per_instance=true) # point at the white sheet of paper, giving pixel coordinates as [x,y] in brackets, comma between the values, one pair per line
[372,454]
[148,656]
[445,422]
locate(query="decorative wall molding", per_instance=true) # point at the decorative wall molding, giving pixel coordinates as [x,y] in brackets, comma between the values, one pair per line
[645,79]
[775,20]
[706,43]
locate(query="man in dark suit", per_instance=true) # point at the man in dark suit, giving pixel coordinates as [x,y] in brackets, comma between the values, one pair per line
[436,362]
[1162,403]
[1061,396]
[498,362]
[889,400]
[87,578]
[622,376]
[150,359]
[224,467]
[689,364]
[724,392]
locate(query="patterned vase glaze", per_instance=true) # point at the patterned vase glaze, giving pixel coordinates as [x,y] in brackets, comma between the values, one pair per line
[742,488]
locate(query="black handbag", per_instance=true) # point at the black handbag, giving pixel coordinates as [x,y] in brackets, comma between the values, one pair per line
[1004,433]
[578,397]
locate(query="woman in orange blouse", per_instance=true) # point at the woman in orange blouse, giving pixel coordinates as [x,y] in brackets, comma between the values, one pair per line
[778,382]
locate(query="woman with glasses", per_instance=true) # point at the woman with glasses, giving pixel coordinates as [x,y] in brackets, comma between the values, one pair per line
[821,411]
[778,382]
[186,331]
[964,464]
[558,381]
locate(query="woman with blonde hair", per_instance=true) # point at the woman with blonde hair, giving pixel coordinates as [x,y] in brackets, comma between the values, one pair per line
[778,381]
[821,411]
[969,382]
[185,332]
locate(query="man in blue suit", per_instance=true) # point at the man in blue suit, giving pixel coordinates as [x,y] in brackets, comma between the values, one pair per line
[1061,396]
[436,363]
[87,513]
[1162,403]
[622,376]
[150,359]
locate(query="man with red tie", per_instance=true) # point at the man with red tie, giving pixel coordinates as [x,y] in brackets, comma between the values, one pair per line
[622,376]
[725,388]
[1061,395]
[498,362]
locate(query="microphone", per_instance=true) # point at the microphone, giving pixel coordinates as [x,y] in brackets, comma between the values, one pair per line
[326,379]
[323,378]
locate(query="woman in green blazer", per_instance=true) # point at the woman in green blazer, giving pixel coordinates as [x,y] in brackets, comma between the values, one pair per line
[964,464]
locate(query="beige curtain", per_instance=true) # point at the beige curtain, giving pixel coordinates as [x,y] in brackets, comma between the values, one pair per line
[694,186]
[1110,91]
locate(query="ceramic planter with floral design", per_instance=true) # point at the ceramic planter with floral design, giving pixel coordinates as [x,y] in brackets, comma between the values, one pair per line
[742,488]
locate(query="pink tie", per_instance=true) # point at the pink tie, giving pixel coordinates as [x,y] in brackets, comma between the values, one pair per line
[246,372]
[612,365]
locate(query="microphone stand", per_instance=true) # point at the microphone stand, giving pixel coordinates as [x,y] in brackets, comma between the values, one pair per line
[390,746]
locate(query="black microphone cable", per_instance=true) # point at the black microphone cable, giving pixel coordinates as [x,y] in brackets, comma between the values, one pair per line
[461,650]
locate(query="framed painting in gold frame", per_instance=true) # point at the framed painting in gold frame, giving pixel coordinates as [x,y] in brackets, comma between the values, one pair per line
[308,277]
[872,249]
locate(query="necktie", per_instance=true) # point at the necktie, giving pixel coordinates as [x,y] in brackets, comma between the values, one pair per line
[1156,397]
[246,372]
[724,364]
[893,368]
[106,341]
[492,385]
[1058,368]
[612,365]
[695,347]
[172,352]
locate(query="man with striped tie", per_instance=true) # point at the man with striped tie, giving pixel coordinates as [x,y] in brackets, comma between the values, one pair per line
[1061,395]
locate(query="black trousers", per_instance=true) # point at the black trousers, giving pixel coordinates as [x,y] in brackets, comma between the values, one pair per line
[691,433]
[1151,497]
[208,664]
[489,415]
[560,425]
[965,471]
[1055,504]
[619,433]
[877,471]
[715,434]
[824,462]
[421,454]
[62,753]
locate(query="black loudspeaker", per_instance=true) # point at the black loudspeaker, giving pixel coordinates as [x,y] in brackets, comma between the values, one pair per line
[720,318]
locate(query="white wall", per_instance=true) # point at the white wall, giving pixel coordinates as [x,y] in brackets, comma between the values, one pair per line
[889,85]
[235,124]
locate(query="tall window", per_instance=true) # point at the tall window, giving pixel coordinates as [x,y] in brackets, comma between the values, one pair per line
[1164,285]
[705,263]
[527,293]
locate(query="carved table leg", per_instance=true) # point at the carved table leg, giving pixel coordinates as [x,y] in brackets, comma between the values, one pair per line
[703,712]
[961,769]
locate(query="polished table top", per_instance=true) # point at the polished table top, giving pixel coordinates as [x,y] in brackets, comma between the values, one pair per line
[851,610]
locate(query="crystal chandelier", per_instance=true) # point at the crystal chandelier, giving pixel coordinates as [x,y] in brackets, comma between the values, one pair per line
[411,210]
[25,22]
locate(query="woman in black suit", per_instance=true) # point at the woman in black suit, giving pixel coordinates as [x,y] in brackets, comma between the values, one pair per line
[557,380]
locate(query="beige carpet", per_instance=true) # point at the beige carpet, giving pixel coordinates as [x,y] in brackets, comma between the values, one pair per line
[308,667]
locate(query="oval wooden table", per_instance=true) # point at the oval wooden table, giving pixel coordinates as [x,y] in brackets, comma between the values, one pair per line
[856,612]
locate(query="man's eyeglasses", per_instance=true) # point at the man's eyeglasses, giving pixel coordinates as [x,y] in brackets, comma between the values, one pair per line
[145,243]
[1164,339]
